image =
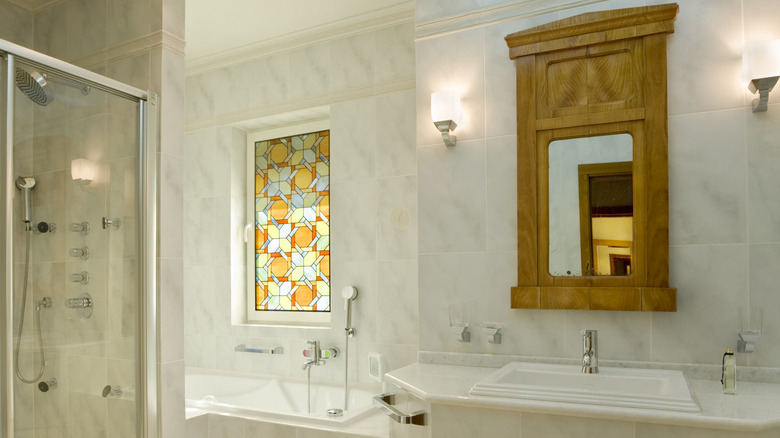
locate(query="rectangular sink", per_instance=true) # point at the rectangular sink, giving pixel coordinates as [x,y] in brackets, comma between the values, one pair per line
[620,387]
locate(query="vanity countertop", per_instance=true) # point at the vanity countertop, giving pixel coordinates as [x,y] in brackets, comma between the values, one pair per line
[755,407]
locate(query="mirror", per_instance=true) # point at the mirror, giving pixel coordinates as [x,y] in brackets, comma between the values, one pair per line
[592,171]
[591,206]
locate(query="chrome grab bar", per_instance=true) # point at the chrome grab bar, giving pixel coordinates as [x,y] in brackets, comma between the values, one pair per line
[243,348]
[385,401]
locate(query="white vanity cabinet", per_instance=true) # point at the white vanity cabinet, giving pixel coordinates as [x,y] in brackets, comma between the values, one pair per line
[442,391]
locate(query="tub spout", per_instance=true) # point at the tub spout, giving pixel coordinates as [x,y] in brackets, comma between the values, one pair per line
[590,358]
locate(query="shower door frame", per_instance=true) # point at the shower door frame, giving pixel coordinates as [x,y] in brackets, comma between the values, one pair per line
[147,424]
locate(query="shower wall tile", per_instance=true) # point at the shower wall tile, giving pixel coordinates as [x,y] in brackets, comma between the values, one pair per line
[132,71]
[397,313]
[763,173]
[712,281]
[353,216]
[395,52]
[764,280]
[17,24]
[50,27]
[171,206]
[199,300]
[89,18]
[710,33]
[397,218]
[395,134]
[171,299]
[127,20]
[501,193]
[352,61]
[172,405]
[199,172]
[353,140]
[452,188]
[707,202]
[269,80]
[309,71]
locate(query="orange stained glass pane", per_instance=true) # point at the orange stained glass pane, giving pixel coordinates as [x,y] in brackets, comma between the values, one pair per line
[279,267]
[325,266]
[325,146]
[278,153]
[324,206]
[259,183]
[279,210]
[303,236]
[303,178]
[304,295]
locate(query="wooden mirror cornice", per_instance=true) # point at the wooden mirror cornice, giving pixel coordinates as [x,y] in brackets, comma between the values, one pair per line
[594,74]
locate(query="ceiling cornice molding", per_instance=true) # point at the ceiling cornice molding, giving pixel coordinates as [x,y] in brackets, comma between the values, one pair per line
[34,6]
[135,47]
[339,29]
[494,15]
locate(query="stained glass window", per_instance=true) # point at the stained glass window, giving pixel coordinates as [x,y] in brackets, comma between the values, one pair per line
[292,223]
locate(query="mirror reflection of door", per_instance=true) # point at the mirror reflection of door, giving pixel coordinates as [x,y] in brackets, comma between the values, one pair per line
[578,243]
[606,218]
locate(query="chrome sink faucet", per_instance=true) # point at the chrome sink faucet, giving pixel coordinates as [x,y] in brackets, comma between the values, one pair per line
[590,355]
[317,355]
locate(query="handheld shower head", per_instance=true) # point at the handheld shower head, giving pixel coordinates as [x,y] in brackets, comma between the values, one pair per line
[26,184]
[349,293]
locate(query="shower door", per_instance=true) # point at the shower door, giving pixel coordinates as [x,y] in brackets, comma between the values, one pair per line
[73,360]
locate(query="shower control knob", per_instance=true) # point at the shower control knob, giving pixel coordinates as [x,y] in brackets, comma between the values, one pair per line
[82,252]
[115,222]
[45,227]
[82,228]
[112,391]
[82,277]
[47,385]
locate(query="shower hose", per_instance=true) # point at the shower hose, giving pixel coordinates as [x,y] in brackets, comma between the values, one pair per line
[42,365]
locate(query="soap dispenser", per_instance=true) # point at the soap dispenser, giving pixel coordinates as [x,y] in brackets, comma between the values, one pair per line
[729,373]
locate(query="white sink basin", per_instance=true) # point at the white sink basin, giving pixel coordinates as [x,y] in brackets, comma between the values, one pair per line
[622,387]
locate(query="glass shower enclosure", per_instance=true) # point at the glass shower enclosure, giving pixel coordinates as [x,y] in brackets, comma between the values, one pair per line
[78,262]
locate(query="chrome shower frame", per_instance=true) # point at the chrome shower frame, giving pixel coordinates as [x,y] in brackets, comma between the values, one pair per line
[147,394]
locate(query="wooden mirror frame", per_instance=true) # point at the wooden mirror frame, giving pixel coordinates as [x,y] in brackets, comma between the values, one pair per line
[594,74]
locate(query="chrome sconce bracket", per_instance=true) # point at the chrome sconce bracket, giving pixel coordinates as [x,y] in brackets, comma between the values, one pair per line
[762,86]
[492,330]
[446,127]
[462,333]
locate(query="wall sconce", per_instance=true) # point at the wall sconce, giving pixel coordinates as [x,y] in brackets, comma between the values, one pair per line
[761,63]
[83,171]
[445,111]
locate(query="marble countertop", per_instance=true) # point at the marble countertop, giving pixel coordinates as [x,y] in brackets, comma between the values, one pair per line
[755,407]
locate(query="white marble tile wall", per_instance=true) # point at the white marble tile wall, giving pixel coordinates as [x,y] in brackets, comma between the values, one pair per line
[373,202]
[723,167]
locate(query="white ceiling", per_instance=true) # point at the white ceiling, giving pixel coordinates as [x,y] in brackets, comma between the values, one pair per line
[215,26]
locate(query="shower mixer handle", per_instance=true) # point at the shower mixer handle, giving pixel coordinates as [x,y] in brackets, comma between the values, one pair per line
[82,277]
[115,222]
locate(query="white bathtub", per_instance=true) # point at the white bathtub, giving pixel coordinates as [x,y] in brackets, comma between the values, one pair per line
[273,399]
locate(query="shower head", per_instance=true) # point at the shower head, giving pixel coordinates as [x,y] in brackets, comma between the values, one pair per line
[26,184]
[34,86]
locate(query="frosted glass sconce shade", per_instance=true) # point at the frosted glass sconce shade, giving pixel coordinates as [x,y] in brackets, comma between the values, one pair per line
[83,171]
[445,112]
[761,63]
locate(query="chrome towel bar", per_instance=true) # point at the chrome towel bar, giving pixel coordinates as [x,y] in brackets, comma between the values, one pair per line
[384,403]
[243,348]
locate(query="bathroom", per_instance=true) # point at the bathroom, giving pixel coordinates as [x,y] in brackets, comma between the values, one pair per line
[434,225]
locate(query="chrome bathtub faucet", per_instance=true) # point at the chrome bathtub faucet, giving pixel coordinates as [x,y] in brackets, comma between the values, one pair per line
[590,355]
[317,356]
